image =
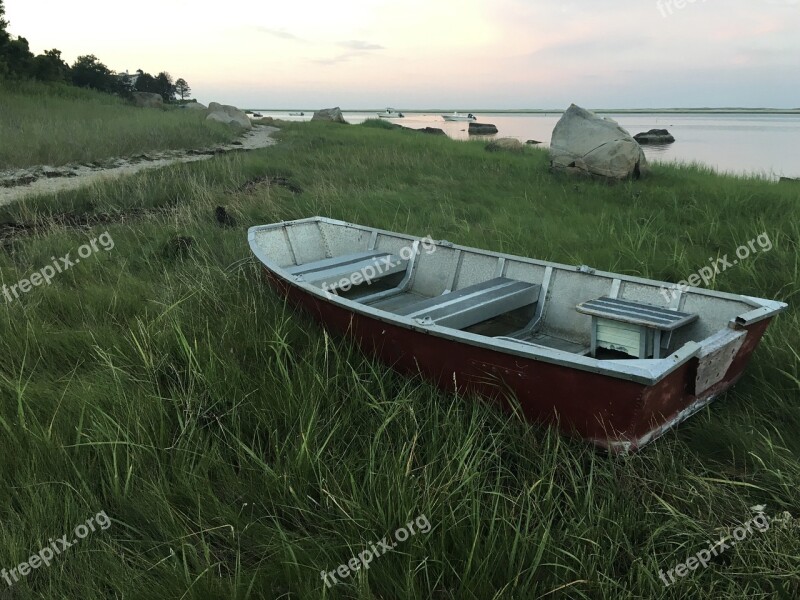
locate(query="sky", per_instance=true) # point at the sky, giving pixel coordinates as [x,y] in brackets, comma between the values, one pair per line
[466,54]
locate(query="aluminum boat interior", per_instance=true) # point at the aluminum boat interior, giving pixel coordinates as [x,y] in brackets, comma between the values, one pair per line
[503,299]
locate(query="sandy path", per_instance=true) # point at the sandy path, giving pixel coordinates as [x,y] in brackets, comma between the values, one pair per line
[19,183]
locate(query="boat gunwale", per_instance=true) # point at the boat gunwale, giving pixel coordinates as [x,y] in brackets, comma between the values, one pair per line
[644,371]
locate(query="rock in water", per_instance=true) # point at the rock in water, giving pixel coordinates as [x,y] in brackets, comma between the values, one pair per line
[509,144]
[481,128]
[584,143]
[329,114]
[230,115]
[432,130]
[147,100]
[654,136]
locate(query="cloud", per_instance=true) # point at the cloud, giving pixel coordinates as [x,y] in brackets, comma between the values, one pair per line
[356,48]
[588,49]
[337,59]
[280,33]
[360,45]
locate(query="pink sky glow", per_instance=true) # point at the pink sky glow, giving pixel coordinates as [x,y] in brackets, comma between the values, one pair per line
[441,53]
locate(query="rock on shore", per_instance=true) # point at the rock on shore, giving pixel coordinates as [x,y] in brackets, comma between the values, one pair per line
[329,114]
[225,113]
[506,143]
[147,100]
[430,130]
[584,143]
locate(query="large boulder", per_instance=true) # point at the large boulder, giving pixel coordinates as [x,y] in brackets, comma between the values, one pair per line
[230,115]
[481,128]
[329,114]
[584,143]
[506,143]
[654,136]
[194,106]
[147,100]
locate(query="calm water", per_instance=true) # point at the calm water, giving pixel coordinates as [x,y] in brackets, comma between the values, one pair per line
[761,144]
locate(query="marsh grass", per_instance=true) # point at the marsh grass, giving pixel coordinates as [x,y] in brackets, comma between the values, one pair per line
[240,450]
[58,124]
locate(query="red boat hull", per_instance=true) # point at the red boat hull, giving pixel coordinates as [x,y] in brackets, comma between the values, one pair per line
[615,414]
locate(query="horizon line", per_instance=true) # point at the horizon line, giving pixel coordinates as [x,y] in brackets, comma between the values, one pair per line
[722,109]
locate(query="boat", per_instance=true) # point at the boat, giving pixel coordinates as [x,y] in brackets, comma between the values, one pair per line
[614,359]
[391,113]
[255,114]
[459,117]
[296,114]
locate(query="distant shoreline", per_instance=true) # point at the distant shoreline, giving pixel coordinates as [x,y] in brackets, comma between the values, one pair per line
[539,111]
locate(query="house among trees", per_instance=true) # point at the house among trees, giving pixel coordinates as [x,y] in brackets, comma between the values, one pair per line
[127,79]
[17,62]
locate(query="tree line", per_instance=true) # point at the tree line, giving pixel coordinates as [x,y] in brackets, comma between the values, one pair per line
[17,62]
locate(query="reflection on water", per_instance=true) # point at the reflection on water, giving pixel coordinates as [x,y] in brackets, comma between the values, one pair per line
[755,143]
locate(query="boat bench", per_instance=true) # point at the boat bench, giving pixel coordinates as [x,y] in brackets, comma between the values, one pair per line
[474,304]
[346,271]
[632,327]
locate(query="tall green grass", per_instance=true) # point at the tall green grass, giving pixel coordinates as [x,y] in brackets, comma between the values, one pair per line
[240,450]
[58,124]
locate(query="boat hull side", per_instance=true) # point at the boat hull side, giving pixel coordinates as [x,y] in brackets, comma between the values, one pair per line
[615,414]
[672,400]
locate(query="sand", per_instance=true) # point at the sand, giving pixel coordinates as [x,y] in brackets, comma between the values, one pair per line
[43,179]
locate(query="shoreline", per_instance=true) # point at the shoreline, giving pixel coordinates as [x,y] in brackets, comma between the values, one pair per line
[37,180]
[542,111]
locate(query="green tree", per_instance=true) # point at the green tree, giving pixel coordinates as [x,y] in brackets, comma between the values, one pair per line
[50,67]
[4,39]
[182,88]
[3,25]
[18,59]
[145,82]
[88,71]
[165,87]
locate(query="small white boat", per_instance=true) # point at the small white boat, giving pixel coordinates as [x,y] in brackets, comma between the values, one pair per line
[390,113]
[459,117]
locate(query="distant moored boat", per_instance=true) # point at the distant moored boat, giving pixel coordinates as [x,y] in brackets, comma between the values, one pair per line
[459,117]
[391,113]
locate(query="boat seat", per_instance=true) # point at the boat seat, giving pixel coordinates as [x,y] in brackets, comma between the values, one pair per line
[474,304]
[343,271]
[634,328]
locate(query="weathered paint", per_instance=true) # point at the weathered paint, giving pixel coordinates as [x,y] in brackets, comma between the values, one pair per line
[613,413]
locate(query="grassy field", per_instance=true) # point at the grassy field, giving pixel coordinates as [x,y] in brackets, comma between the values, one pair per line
[239,451]
[59,124]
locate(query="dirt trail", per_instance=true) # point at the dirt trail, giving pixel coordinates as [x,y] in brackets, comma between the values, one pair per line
[18,183]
